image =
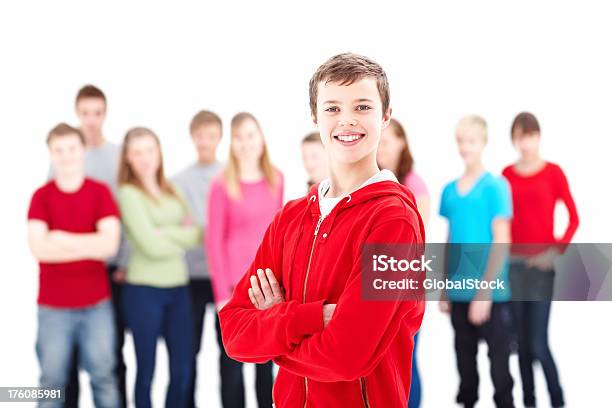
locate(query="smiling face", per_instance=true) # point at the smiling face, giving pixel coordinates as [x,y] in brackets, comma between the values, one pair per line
[471,143]
[350,119]
[247,143]
[91,113]
[143,156]
[527,144]
[205,139]
[67,155]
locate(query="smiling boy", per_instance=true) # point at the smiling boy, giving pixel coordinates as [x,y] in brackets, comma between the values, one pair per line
[306,311]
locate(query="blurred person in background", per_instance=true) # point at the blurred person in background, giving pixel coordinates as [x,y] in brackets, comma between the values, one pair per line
[242,203]
[205,129]
[101,164]
[156,301]
[394,154]
[314,159]
[73,227]
[537,186]
[478,208]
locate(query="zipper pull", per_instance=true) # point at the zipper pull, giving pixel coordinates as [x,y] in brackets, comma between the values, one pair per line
[318,225]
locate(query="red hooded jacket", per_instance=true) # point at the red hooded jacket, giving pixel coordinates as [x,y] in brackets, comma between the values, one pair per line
[362,358]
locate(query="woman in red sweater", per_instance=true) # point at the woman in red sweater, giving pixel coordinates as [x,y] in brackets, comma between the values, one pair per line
[537,186]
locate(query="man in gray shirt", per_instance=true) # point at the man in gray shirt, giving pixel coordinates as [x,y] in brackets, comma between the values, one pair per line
[194,181]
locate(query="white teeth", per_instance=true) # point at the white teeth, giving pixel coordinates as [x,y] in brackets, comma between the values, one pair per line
[348,138]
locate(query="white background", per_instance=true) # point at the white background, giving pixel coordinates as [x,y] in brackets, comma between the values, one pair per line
[159,64]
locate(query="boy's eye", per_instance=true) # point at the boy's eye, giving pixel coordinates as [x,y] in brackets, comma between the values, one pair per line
[363,107]
[332,109]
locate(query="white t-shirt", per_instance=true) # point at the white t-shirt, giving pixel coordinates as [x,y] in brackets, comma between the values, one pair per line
[327,204]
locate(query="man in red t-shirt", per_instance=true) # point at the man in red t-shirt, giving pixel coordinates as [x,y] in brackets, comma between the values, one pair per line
[73,226]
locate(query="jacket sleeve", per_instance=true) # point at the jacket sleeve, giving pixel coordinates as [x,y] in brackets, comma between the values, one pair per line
[359,332]
[253,335]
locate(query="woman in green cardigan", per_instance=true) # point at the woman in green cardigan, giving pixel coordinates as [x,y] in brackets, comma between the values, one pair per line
[156,297]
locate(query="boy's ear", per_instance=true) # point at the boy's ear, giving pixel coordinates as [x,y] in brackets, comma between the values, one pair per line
[386,118]
[314,118]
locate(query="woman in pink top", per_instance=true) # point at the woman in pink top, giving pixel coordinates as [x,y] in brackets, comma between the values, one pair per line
[242,202]
[394,154]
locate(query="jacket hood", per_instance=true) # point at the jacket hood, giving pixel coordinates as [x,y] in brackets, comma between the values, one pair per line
[376,189]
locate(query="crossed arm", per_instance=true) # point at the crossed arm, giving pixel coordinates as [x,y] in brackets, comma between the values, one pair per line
[271,293]
[58,246]
[314,339]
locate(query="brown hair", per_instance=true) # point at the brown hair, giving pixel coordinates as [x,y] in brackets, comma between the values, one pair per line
[525,122]
[231,174]
[64,129]
[312,137]
[203,118]
[346,69]
[90,91]
[406,161]
[127,174]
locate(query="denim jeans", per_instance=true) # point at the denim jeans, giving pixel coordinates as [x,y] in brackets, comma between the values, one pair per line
[150,313]
[414,398]
[72,389]
[92,331]
[531,325]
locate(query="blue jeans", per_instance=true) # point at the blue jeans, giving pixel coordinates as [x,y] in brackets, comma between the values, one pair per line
[532,324]
[72,389]
[414,398]
[92,331]
[151,313]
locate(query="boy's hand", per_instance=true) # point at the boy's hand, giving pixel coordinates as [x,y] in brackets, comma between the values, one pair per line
[270,292]
[328,312]
[479,311]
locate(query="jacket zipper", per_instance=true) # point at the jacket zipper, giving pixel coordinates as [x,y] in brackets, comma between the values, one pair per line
[305,283]
[364,392]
